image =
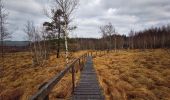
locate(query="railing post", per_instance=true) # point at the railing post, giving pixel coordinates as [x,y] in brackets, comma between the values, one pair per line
[84,59]
[45,88]
[73,79]
[80,64]
[79,61]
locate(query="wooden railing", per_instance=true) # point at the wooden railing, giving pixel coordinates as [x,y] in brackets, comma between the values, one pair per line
[45,89]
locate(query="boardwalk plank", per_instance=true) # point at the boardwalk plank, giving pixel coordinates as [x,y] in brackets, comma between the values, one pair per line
[88,87]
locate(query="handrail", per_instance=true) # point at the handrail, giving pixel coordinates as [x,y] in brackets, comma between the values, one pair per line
[44,91]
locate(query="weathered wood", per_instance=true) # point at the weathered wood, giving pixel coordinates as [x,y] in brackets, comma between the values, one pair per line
[88,87]
[86,97]
[73,79]
[44,91]
[47,97]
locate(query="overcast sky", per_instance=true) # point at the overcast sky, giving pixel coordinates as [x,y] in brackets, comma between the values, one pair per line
[124,15]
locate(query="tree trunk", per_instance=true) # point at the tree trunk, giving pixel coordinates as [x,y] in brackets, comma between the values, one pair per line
[163,41]
[58,49]
[132,43]
[32,54]
[66,43]
[115,44]
[2,39]
[154,42]
[35,55]
[2,58]
[110,43]
[45,50]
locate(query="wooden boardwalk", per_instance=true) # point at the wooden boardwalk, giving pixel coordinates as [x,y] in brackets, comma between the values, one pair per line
[88,87]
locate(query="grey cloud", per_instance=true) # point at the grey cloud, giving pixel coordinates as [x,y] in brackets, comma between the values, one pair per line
[19,12]
[24,6]
[124,14]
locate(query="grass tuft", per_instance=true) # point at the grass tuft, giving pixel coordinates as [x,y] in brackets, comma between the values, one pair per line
[135,74]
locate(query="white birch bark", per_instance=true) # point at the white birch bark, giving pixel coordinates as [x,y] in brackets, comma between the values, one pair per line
[66,43]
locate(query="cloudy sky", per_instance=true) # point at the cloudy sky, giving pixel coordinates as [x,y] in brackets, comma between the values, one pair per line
[90,14]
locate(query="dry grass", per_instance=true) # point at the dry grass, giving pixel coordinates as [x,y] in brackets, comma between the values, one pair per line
[135,75]
[124,75]
[20,80]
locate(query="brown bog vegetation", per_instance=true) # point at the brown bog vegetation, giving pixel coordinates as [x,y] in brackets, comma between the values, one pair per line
[20,79]
[123,75]
[135,74]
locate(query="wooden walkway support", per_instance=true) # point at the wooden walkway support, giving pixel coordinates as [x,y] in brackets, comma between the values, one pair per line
[88,87]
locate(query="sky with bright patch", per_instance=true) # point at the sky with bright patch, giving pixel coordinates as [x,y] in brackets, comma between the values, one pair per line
[90,14]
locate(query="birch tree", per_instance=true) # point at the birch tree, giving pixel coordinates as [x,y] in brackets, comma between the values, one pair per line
[45,44]
[64,9]
[67,7]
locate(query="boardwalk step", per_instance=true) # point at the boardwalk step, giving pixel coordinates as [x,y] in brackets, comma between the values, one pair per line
[85,82]
[88,97]
[88,84]
[88,87]
[87,93]
[86,90]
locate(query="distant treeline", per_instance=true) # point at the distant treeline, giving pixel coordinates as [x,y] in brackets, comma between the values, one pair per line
[152,38]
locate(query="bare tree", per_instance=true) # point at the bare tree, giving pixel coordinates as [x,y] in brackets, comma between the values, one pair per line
[108,31]
[4,34]
[29,30]
[45,44]
[131,40]
[35,43]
